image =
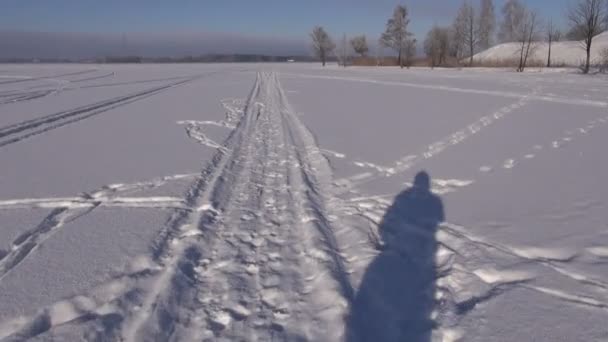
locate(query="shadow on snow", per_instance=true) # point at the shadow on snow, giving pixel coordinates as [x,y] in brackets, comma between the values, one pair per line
[395,299]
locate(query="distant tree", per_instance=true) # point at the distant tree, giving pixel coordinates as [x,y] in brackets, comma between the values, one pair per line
[359,44]
[431,47]
[470,28]
[588,17]
[322,43]
[512,16]
[443,36]
[343,53]
[487,24]
[526,36]
[604,60]
[436,45]
[379,53]
[396,35]
[410,51]
[457,35]
[552,35]
[575,33]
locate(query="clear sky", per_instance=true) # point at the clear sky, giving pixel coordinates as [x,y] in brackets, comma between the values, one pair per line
[289,19]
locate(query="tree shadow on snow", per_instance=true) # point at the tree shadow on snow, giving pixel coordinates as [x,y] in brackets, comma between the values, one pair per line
[396,295]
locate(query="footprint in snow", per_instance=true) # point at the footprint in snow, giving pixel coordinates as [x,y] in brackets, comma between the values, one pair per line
[509,164]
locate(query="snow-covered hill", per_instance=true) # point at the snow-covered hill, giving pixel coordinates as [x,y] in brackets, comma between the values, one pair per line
[565,52]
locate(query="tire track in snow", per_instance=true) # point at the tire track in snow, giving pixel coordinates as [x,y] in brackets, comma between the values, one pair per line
[16,132]
[18,79]
[26,96]
[69,209]
[259,221]
[27,242]
[536,97]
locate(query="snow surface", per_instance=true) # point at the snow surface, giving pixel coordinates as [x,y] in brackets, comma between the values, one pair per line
[570,53]
[266,202]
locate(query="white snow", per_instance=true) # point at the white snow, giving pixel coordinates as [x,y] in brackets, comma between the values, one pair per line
[207,202]
[569,53]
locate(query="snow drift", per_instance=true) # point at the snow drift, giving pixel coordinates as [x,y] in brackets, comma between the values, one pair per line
[570,53]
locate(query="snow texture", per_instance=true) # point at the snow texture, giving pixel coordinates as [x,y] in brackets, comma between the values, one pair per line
[300,203]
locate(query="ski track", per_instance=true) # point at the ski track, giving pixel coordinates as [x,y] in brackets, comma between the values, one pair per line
[20,79]
[16,132]
[407,162]
[69,209]
[466,278]
[505,94]
[254,255]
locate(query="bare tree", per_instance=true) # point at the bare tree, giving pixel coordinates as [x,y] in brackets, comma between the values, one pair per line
[457,35]
[552,35]
[343,54]
[575,33]
[409,51]
[487,24]
[396,34]
[526,36]
[359,44]
[436,45]
[604,60]
[589,18]
[322,43]
[431,46]
[471,29]
[443,36]
[379,53]
[512,15]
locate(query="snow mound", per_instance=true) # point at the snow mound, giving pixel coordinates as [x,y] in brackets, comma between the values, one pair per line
[570,53]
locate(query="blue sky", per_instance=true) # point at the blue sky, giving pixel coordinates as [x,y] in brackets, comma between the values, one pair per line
[177,27]
[264,17]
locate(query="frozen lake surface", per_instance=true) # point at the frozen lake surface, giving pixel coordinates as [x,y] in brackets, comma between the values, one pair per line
[291,202]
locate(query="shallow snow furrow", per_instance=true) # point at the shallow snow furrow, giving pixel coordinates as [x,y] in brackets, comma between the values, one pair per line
[69,209]
[478,250]
[256,258]
[162,202]
[536,97]
[235,279]
[438,147]
[177,248]
[16,132]
[92,78]
[32,95]
[471,269]
[18,79]
[316,174]
[27,242]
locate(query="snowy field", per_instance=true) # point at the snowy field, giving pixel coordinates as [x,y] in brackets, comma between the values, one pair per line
[259,203]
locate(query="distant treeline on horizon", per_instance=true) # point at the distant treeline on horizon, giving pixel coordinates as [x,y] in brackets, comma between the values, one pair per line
[210,58]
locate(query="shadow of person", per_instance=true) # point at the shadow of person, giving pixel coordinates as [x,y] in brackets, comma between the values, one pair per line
[395,299]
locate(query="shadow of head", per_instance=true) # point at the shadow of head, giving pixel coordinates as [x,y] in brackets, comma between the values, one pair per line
[422,180]
[395,298]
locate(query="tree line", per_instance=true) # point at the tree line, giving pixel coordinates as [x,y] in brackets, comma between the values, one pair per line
[475,28]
